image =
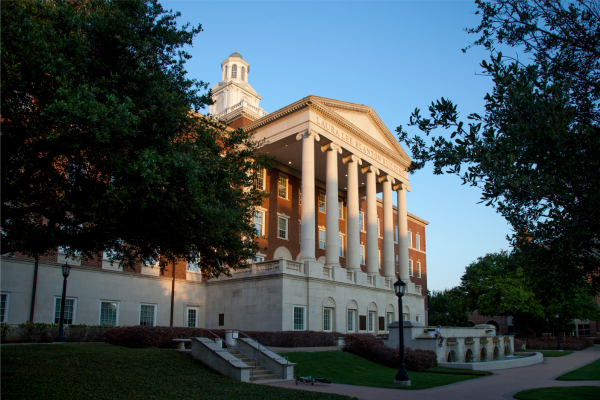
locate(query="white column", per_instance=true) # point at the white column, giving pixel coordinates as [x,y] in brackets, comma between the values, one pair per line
[372,235]
[332,224]
[402,232]
[352,212]
[308,216]
[388,228]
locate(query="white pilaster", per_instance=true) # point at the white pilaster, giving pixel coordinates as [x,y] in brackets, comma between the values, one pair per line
[372,234]
[402,231]
[352,215]
[388,228]
[332,224]
[308,215]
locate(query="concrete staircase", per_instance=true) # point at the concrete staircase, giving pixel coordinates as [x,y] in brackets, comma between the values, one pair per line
[258,373]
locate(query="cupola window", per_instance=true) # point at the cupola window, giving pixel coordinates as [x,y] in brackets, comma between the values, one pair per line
[234,71]
[244,74]
[225,72]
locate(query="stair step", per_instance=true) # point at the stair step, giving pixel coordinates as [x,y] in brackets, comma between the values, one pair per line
[263,377]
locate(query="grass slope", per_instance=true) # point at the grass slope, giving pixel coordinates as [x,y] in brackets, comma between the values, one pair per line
[590,372]
[342,367]
[560,393]
[102,371]
[550,353]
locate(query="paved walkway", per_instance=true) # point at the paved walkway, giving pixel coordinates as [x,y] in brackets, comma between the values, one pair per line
[305,349]
[502,385]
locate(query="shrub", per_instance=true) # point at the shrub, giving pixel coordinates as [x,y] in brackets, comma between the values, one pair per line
[566,343]
[520,344]
[373,349]
[5,330]
[153,336]
[37,332]
[295,338]
[85,333]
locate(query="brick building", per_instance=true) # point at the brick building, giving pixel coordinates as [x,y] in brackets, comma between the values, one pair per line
[331,249]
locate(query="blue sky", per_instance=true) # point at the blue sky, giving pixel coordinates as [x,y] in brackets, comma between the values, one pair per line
[391,55]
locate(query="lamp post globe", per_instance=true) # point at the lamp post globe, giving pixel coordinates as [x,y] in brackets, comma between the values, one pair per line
[402,378]
[60,337]
[556,315]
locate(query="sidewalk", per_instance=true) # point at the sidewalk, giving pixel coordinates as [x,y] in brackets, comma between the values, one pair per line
[502,385]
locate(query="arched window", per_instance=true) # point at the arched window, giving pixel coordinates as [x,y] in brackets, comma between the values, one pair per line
[244,74]
[225,72]
[234,71]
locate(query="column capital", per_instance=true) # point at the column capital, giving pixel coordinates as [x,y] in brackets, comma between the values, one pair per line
[386,178]
[307,134]
[401,186]
[371,168]
[331,147]
[352,158]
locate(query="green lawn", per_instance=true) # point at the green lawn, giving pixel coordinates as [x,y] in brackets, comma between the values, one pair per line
[342,367]
[102,371]
[550,353]
[590,372]
[560,393]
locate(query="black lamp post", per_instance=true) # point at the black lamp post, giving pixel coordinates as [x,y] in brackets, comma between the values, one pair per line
[402,378]
[60,338]
[558,331]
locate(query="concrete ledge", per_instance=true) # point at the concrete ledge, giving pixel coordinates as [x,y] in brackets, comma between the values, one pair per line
[525,360]
[219,359]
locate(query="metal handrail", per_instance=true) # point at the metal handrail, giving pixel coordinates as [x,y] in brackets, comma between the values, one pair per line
[286,359]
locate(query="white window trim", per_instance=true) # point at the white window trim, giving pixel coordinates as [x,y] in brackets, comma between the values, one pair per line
[353,320]
[340,201]
[303,318]
[263,174]
[411,271]
[330,319]
[319,239]
[287,226]
[396,233]
[324,202]
[374,314]
[186,316]
[54,316]
[106,263]
[379,258]
[417,318]
[417,241]
[418,269]
[343,243]
[362,228]
[379,234]
[410,241]
[258,255]
[100,310]
[264,213]
[140,312]
[364,256]
[7,304]
[287,186]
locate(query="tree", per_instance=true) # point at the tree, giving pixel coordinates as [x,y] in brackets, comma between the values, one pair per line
[536,150]
[505,284]
[102,145]
[446,301]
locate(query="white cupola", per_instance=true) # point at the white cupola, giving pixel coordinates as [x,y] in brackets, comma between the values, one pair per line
[234,96]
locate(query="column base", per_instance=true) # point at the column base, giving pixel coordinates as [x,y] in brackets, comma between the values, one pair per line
[401,383]
[333,265]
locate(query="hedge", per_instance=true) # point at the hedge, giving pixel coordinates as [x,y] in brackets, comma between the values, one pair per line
[566,343]
[40,332]
[373,349]
[154,336]
[294,338]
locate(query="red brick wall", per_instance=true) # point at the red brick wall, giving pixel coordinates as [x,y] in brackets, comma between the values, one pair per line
[239,122]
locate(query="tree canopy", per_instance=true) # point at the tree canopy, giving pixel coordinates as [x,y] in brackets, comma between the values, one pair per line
[102,145]
[535,152]
[446,309]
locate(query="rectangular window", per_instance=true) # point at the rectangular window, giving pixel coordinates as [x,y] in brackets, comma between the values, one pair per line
[362,319]
[259,222]
[321,202]
[298,318]
[282,186]
[418,318]
[283,227]
[221,319]
[321,239]
[258,259]
[362,255]
[361,220]
[260,179]
[382,323]
[396,236]
[147,315]
[109,313]
[379,258]
[192,318]
[583,330]
[194,265]
[340,209]
[341,244]
[410,267]
[405,317]
[409,239]
[3,307]
[371,321]
[397,265]
[418,288]
[69,311]
[418,269]
[350,326]
[390,316]
[417,242]
[327,319]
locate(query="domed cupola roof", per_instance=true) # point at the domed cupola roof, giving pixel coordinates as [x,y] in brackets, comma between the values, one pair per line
[236,54]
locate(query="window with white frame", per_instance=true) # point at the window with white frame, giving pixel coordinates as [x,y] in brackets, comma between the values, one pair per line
[109,313]
[234,71]
[244,73]
[371,321]
[299,318]
[258,259]
[340,209]
[192,317]
[259,222]
[410,267]
[193,265]
[361,220]
[282,186]
[322,202]
[418,269]
[409,239]
[282,228]
[341,244]
[418,318]
[70,310]
[260,179]
[225,72]
[379,258]
[148,314]
[396,235]
[327,319]
[4,303]
[397,265]
[350,322]
[405,317]
[362,255]
[321,239]
[417,242]
[418,288]
[389,317]
[378,229]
